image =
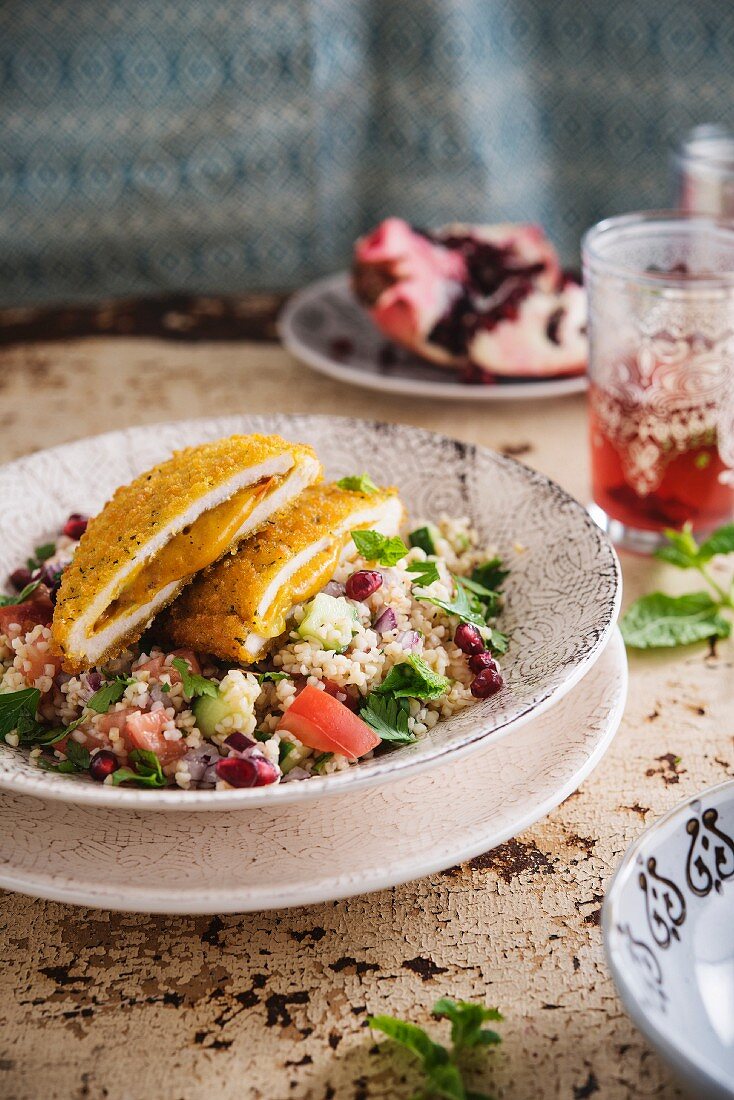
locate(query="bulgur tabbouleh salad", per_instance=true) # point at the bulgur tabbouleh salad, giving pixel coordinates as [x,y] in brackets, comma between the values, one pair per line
[316,634]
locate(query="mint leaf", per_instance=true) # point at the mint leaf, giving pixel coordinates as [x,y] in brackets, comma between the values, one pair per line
[414,679]
[108,694]
[658,620]
[18,707]
[490,574]
[192,683]
[12,601]
[721,542]
[384,549]
[388,717]
[43,553]
[682,550]
[466,1022]
[361,484]
[426,572]
[414,1038]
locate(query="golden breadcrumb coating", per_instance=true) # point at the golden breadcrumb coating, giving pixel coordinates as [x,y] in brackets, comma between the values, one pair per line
[138,512]
[217,612]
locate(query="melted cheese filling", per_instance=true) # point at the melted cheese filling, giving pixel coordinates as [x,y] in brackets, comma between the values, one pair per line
[191,550]
[310,578]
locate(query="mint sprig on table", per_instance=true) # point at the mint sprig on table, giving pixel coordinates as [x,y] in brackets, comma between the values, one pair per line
[659,621]
[442,1067]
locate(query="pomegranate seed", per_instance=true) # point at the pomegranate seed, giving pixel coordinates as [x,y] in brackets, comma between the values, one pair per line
[20,578]
[239,741]
[486,682]
[102,764]
[363,583]
[480,661]
[253,771]
[468,639]
[75,525]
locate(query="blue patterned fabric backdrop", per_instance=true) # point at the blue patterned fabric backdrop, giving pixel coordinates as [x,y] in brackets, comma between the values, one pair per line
[220,145]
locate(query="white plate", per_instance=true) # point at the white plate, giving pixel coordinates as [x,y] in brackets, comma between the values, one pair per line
[267,858]
[327,311]
[669,938]
[562,595]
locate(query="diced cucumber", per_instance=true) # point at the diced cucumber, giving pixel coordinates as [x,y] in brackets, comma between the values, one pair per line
[209,711]
[292,755]
[329,620]
[424,538]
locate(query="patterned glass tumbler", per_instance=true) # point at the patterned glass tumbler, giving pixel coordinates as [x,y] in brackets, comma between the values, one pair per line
[661,395]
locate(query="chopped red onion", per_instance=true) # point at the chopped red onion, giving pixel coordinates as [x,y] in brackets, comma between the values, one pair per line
[239,741]
[385,622]
[333,588]
[295,773]
[199,762]
[94,682]
[409,639]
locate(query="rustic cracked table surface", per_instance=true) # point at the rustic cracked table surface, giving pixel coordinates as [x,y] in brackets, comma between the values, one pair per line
[273,1005]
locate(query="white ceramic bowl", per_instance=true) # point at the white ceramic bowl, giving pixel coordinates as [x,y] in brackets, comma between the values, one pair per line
[562,596]
[668,923]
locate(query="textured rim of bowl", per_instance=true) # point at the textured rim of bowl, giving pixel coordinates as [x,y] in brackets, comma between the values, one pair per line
[172,799]
[683,1056]
[459,391]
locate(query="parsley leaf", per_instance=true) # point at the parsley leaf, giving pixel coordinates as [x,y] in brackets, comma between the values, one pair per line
[273,677]
[192,683]
[464,608]
[78,755]
[361,484]
[383,549]
[426,572]
[12,601]
[388,717]
[18,707]
[490,574]
[147,773]
[108,694]
[414,679]
[658,620]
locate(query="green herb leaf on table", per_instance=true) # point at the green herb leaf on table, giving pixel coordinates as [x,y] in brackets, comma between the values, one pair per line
[659,620]
[108,694]
[192,683]
[721,542]
[466,1022]
[442,1067]
[358,484]
[383,549]
[413,679]
[682,549]
[426,572]
[388,717]
[23,595]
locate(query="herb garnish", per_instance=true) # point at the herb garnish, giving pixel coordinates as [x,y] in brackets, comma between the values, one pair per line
[11,601]
[192,683]
[77,760]
[383,549]
[320,761]
[388,717]
[469,605]
[414,679]
[659,620]
[147,770]
[108,694]
[426,572]
[18,710]
[442,1068]
[361,484]
[490,574]
[41,554]
[272,677]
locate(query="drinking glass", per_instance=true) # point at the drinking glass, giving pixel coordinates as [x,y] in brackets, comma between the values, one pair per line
[661,400]
[704,171]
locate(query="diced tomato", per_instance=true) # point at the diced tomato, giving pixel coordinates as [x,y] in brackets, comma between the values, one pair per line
[37,610]
[156,665]
[323,723]
[145,731]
